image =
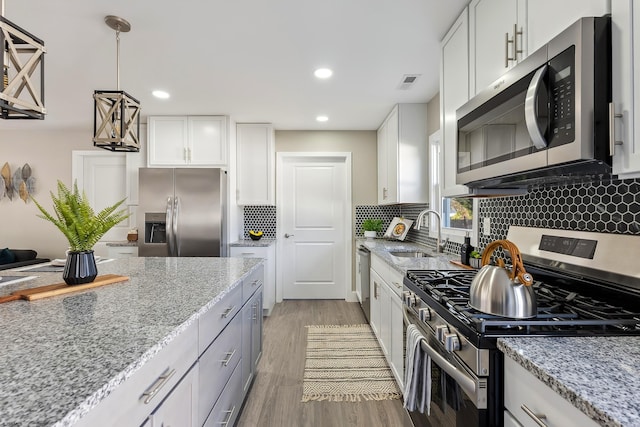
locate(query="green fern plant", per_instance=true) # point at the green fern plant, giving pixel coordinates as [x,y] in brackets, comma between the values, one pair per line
[76,219]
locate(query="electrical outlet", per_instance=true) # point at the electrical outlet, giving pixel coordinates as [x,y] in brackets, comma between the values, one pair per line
[486,226]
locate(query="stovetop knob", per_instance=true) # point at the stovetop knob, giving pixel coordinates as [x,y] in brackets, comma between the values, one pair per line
[425,314]
[451,342]
[441,330]
[410,298]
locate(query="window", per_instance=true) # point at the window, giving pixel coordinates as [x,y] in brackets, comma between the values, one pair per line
[457,213]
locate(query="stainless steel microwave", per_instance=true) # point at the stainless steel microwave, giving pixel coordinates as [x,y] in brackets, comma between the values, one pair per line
[546,120]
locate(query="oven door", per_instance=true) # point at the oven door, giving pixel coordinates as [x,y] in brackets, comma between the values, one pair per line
[458,397]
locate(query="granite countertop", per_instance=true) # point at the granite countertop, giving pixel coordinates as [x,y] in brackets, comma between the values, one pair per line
[598,375]
[382,247]
[254,243]
[60,356]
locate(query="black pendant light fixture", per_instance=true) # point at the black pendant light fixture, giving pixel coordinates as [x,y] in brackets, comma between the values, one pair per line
[116,115]
[22,67]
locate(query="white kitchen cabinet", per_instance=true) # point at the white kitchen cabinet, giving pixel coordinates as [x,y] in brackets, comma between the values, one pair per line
[122,251]
[503,32]
[187,141]
[625,15]
[255,168]
[386,314]
[402,155]
[524,392]
[454,92]
[181,406]
[268,253]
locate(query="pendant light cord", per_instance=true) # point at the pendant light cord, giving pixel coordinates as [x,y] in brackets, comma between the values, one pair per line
[5,56]
[118,58]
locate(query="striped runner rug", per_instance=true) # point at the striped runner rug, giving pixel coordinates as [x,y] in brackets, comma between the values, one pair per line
[345,364]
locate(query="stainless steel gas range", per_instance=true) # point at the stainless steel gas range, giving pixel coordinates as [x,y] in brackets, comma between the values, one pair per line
[586,284]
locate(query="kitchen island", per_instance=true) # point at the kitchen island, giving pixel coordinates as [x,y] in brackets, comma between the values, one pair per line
[62,356]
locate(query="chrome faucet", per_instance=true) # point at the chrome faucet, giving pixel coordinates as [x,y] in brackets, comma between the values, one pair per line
[440,244]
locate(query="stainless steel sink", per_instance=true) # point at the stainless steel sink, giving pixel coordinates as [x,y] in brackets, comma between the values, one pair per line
[410,254]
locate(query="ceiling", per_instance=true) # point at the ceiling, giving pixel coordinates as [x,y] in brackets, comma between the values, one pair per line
[250,59]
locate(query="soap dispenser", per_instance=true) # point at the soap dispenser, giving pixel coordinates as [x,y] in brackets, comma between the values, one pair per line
[465,250]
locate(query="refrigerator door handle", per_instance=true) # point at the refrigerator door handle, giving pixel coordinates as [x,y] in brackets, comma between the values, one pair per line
[176,236]
[169,226]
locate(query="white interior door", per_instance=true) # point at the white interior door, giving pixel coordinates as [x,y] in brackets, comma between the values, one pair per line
[315,212]
[103,177]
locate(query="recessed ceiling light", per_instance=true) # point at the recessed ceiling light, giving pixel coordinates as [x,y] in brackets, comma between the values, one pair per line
[322,118]
[323,73]
[160,94]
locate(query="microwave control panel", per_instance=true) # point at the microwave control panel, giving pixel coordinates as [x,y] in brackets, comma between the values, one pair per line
[562,98]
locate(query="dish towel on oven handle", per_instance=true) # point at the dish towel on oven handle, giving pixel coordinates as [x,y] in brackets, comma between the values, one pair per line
[417,378]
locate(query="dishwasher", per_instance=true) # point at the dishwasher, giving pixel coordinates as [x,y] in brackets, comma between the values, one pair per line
[363,264]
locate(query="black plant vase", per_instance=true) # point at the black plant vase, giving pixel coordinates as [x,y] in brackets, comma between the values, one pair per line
[80,268]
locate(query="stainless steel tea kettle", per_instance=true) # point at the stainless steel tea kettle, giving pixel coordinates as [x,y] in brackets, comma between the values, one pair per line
[498,291]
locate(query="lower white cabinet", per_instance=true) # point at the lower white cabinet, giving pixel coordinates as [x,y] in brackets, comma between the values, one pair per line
[251,339]
[228,406]
[181,406]
[527,398]
[268,253]
[386,314]
[122,251]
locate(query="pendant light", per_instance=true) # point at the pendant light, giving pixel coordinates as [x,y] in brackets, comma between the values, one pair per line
[116,115]
[22,69]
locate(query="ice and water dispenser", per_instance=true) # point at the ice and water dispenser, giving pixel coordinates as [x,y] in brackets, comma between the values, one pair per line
[155,227]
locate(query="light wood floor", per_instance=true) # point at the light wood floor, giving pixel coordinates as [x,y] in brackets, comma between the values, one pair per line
[275,398]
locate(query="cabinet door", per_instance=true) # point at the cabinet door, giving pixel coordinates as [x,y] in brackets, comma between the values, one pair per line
[255,164]
[167,141]
[454,91]
[375,282]
[382,163]
[625,15]
[397,340]
[256,331]
[246,362]
[180,407]
[392,136]
[207,141]
[491,23]
[543,25]
[385,319]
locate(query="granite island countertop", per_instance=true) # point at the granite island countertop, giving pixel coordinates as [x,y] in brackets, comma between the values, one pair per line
[598,375]
[60,356]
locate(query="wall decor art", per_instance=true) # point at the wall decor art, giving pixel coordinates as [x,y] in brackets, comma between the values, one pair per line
[20,183]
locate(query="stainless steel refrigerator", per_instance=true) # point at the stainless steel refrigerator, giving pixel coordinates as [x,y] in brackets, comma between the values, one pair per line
[181,212]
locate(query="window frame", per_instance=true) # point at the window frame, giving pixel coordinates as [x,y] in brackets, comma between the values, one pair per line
[436,178]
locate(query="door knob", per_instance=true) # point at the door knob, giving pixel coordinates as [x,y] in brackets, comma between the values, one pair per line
[287,235]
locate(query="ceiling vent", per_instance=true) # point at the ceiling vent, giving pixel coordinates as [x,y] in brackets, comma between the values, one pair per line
[408,81]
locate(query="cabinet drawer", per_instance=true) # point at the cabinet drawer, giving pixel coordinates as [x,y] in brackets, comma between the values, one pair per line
[226,410]
[133,401]
[252,282]
[122,251]
[521,388]
[394,280]
[214,321]
[248,251]
[380,266]
[216,366]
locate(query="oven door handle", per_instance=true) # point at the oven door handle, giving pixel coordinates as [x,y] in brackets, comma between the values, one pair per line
[468,384]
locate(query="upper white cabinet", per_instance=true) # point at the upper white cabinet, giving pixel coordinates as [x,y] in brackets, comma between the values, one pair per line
[255,164]
[454,91]
[496,29]
[402,155]
[504,32]
[625,16]
[187,141]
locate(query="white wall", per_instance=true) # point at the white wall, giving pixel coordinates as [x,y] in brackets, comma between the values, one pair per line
[49,155]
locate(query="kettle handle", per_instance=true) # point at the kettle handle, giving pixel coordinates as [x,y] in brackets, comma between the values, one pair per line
[516,258]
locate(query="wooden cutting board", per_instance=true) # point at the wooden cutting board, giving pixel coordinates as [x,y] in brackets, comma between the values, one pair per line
[61,288]
[459,264]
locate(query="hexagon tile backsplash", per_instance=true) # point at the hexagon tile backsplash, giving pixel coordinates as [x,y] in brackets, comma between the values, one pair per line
[604,207]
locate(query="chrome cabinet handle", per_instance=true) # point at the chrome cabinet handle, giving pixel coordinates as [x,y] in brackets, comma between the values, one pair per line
[287,235]
[384,193]
[225,423]
[506,49]
[230,355]
[228,311]
[537,418]
[185,154]
[157,385]
[612,129]
[397,285]
[513,41]
[256,282]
